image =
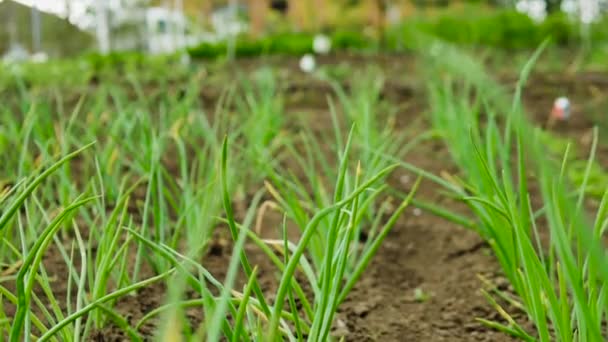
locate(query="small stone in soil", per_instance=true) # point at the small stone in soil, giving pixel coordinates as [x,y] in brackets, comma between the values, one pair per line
[340,329]
[362,309]
[502,283]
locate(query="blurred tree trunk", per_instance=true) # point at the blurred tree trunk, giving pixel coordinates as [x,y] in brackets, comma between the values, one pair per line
[179,25]
[321,8]
[204,14]
[376,10]
[102,28]
[36,32]
[68,9]
[12,27]
[296,12]
[553,5]
[257,12]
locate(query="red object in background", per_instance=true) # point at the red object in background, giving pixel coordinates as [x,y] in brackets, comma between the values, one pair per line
[561,109]
[558,113]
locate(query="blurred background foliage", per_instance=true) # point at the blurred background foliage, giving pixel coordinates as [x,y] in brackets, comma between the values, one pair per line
[212,29]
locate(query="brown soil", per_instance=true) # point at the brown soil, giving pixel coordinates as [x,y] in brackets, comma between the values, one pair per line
[423,254]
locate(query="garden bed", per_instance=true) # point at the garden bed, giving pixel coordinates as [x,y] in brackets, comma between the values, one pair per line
[424,283]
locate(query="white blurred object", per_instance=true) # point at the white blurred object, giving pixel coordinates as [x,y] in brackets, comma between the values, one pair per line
[393,14]
[184,59]
[321,44]
[589,11]
[227,22]
[162,26]
[569,6]
[417,212]
[562,101]
[307,63]
[535,9]
[39,57]
[15,54]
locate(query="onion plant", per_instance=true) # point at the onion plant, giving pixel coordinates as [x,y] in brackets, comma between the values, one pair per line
[552,253]
[139,207]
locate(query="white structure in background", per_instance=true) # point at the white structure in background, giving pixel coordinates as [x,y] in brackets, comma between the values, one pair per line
[16,53]
[226,23]
[166,29]
[162,24]
[570,6]
[535,9]
[155,30]
[39,57]
[36,29]
[587,10]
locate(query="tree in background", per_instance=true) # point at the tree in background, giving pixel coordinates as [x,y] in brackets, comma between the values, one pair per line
[258,10]
[552,6]
[60,37]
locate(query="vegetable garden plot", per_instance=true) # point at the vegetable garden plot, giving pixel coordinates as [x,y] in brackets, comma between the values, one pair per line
[167,248]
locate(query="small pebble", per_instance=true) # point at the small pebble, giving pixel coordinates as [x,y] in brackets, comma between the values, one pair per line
[362,309]
[417,212]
